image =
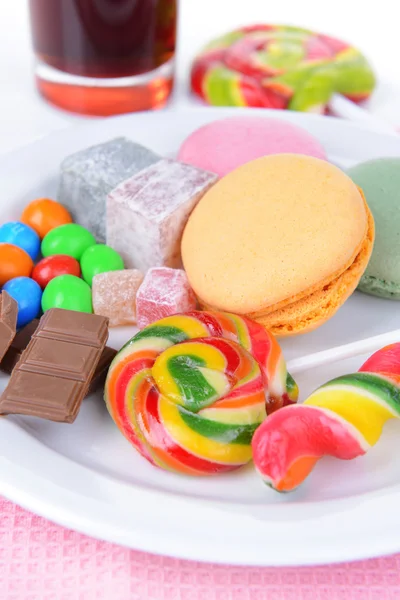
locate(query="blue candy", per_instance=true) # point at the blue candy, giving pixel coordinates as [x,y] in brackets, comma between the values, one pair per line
[21,235]
[28,295]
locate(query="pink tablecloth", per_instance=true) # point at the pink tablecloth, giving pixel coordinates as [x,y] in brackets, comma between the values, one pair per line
[42,561]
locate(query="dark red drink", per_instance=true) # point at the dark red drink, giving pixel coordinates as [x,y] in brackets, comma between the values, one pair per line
[129,44]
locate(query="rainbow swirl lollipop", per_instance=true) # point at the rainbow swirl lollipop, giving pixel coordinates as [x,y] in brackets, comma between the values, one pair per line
[190,390]
[276,66]
[342,418]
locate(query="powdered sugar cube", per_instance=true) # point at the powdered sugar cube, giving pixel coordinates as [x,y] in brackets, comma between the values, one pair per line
[114,295]
[147,213]
[164,292]
[88,176]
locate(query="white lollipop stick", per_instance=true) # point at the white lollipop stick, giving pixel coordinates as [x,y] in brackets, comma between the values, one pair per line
[342,107]
[367,346]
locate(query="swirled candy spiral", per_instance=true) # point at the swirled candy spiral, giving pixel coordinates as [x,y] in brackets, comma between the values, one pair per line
[276,66]
[342,418]
[189,391]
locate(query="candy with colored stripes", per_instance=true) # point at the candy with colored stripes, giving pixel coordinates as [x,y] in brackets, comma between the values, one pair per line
[342,418]
[164,292]
[279,66]
[189,390]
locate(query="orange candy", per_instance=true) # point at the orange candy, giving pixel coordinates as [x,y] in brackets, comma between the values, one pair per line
[45,214]
[14,262]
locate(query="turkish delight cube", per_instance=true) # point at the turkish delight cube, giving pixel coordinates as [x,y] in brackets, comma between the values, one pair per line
[146,214]
[164,292]
[88,176]
[114,295]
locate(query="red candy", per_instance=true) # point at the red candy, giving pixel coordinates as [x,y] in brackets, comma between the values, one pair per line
[14,262]
[53,266]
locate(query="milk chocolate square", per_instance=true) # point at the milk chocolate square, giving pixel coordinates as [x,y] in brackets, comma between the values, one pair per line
[8,321]
[54,372]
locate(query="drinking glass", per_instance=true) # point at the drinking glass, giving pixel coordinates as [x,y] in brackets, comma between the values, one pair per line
[104,57]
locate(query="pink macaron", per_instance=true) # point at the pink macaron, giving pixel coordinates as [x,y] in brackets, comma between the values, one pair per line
[224,145]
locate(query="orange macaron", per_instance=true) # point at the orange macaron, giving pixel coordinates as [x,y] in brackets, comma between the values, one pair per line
[283,239]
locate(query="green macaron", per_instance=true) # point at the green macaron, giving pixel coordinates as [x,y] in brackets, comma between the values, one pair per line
[380,181]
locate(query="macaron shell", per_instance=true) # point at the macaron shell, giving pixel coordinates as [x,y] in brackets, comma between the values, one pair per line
[379,287]
[380,180]
[307,314]
[224,145]
[273,232]
[310,312]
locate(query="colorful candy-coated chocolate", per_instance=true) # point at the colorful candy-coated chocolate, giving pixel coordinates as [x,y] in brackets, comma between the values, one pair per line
[100,259]
[14,262]
[68,292]
[342,418]
[53,266]
[44,214]
[276,66]
[70,239]
[189,390]
[21,235]
[28,295]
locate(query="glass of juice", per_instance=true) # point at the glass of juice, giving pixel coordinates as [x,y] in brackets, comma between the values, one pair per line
[104,57]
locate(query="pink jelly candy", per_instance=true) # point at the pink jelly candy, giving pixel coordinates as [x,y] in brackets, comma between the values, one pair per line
[114,295]
[146,214]
[163,292]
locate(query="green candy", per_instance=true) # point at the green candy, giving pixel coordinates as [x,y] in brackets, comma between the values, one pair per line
[70,239]
[68,292]
[100,259]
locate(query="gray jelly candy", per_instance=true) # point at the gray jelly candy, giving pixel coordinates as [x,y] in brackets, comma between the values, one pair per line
[88,176]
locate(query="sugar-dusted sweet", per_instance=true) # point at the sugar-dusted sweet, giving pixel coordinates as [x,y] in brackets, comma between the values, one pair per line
[88,176]
[114,295]
[163,292]
[147,213]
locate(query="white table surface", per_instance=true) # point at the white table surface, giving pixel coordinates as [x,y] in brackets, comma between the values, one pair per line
[372,26]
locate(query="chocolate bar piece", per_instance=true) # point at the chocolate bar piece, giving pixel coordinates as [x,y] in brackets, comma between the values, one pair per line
[54,372]
[8,321]
[18,345]
[22,339]
[101,371]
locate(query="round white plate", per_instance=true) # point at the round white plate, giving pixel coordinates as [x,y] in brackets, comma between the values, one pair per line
[86,476]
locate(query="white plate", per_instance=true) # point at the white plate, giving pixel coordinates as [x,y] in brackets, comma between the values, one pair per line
[86,476]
